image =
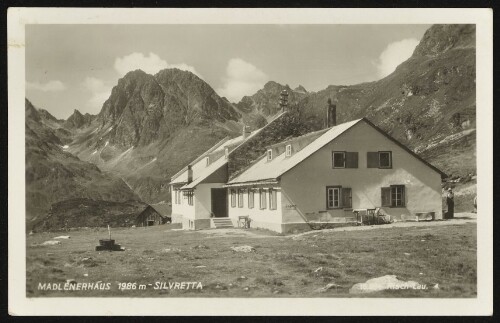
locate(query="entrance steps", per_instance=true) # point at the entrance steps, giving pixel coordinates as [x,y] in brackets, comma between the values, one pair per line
[222,223]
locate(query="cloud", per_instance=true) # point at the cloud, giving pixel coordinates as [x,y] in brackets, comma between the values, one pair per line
[394,54]
[50,86]
[150,64]
[99,92]
[242,78]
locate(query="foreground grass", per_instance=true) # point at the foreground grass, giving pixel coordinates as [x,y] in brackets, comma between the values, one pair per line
[280,266]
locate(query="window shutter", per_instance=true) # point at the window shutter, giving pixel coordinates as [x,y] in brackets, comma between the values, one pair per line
[351,159]
[403,197]
[386,196]
[346,197]
[372,159]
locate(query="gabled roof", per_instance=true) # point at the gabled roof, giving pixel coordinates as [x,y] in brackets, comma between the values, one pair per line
[212,168]
[233,144]
[163,209]
[264,170]
[175,179]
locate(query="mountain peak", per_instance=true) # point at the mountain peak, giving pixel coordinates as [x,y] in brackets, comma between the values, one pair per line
[78,120]
[271,85]
[30,110]
[300,88]
[441,38]
[135,73]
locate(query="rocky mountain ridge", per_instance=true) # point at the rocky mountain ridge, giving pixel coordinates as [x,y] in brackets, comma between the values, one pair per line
[54,175]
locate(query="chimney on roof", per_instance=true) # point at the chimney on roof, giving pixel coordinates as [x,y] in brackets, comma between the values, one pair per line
[331,114]
[190,174]
[246,132]
[284,100]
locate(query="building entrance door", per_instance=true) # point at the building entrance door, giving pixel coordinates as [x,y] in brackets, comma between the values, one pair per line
[219,202]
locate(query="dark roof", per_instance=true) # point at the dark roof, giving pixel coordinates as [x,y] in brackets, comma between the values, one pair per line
[197,159]
[163,209]
[308,137]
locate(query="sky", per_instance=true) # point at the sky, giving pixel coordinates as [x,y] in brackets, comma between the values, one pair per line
[72,67]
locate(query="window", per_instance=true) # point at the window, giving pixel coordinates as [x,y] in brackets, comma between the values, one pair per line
[338,159]
[379,159]
[226,152]
[262,197]
[240,198]
[269,154]
[207,159]
[344,159]
[333,197]
[338,197]
[189,195]
[250,198]
[288,150]
[384,159]
[393,196]
[233,198]
[397,195]
[272,199]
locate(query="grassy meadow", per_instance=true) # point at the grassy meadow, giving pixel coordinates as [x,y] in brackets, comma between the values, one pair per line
[279,265]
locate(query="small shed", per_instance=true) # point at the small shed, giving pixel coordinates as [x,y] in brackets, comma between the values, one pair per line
[153,215]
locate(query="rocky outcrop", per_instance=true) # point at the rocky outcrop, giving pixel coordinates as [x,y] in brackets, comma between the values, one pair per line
[144,108]
[152,125]
[77,120]
[265,101]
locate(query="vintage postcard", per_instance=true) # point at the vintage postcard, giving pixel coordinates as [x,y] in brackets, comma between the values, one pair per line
[250,161]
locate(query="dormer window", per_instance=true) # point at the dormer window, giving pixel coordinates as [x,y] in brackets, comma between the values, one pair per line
[207,159]
[288,150]
[269,154]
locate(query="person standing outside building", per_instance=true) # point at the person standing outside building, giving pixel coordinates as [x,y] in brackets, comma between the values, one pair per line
[451,203]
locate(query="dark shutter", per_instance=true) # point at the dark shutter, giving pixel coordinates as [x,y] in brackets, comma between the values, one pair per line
[351,160]
[372,159]
[386,196]
[346,197]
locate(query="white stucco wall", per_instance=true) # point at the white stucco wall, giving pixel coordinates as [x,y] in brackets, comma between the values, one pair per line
[265,218]
[305,184]
[182,210]
[200,210]
[203,199]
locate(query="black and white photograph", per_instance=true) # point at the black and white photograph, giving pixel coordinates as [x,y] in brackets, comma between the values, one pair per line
[215,161]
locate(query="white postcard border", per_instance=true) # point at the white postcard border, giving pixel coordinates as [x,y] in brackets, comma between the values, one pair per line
[20,305]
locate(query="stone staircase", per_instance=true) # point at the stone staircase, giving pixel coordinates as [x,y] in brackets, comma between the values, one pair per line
[222,223]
